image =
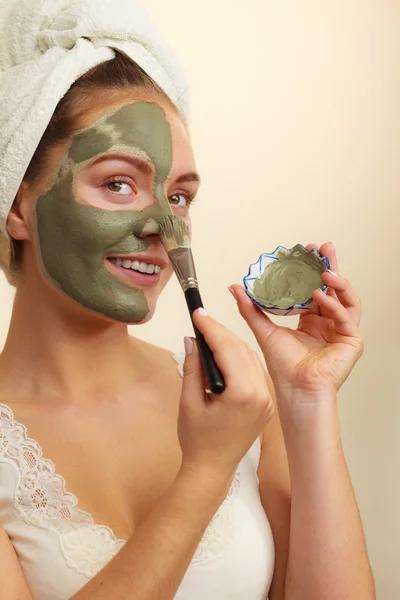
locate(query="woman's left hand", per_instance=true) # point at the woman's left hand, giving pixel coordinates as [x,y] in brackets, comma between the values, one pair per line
[319,355]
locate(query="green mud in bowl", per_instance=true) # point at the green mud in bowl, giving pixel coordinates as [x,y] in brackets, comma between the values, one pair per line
[282,283]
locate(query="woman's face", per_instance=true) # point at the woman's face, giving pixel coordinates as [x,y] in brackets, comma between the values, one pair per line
[96,227]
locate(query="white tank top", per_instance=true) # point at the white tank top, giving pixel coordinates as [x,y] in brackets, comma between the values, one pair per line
[60,547]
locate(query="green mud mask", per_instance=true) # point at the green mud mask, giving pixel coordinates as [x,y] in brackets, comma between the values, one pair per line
[75,238]
[291,279]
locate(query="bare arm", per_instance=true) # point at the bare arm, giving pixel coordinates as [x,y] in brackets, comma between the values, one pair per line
[275,494]
[327,552]
[323,517]
[154,561]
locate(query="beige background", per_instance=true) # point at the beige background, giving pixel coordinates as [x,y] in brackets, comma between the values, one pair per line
[296,128]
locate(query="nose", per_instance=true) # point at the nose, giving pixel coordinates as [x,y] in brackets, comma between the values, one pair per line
[152,216]
[150,227]
[150,232]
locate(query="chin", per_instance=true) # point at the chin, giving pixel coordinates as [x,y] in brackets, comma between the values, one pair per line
[148,317]
[129,318]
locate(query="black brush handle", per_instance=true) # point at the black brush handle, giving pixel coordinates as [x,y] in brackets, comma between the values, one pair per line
[216,383]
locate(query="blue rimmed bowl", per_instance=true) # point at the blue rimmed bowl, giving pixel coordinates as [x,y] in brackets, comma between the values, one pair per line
[257,269]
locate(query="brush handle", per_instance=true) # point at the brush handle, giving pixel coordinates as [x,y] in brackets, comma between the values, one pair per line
[214,376]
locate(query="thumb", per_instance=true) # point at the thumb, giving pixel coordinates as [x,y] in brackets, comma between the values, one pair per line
[193,374]
[260,324]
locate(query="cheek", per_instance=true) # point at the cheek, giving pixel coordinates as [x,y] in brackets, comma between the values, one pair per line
[168,271]
[188,220]
[166,274]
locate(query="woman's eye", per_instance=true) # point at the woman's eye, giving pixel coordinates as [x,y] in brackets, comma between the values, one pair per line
[179,200]
[119,186]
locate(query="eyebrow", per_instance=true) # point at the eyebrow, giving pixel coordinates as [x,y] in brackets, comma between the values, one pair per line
[192,176]
[145,166]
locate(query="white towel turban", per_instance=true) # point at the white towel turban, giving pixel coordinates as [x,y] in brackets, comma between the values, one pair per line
[45,46]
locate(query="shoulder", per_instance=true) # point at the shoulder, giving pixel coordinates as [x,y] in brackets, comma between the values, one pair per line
[162,359]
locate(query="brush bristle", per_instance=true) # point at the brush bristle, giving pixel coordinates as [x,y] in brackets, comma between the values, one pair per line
[174,233]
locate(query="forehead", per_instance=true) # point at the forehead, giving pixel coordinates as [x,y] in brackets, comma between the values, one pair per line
[141,127]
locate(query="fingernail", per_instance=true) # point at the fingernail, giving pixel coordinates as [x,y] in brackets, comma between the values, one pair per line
[333,273]
[233,293]
[202,312]
[188,345]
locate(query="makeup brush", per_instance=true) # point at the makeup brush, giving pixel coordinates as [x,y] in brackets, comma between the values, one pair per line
[175,237]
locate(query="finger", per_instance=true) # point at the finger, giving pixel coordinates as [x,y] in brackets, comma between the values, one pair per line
[345,292]
[231,354]
[328,249]
[344,324]
[193,373]
[260,324]
[330,292]
[314,310]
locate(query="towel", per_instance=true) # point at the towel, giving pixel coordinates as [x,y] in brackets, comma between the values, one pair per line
[45,46]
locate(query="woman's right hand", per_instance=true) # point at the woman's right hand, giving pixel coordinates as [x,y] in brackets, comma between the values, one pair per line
[216,431]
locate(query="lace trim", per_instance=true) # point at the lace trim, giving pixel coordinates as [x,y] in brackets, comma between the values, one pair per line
[179,357]
[219,536]
[42,500]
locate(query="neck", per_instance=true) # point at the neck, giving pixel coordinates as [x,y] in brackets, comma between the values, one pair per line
[54,347]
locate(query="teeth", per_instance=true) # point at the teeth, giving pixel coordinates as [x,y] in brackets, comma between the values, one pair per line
[142,267]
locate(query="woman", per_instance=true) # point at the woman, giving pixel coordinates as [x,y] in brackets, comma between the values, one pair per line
[170,505]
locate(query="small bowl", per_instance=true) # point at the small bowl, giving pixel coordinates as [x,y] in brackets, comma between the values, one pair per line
[257,269]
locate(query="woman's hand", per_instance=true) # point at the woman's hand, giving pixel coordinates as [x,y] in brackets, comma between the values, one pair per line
[215,432]
[319,355]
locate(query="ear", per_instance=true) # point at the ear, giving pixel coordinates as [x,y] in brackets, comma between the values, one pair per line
[19,217]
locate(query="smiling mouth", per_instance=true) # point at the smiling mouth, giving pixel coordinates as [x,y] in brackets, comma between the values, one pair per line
[136,265]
